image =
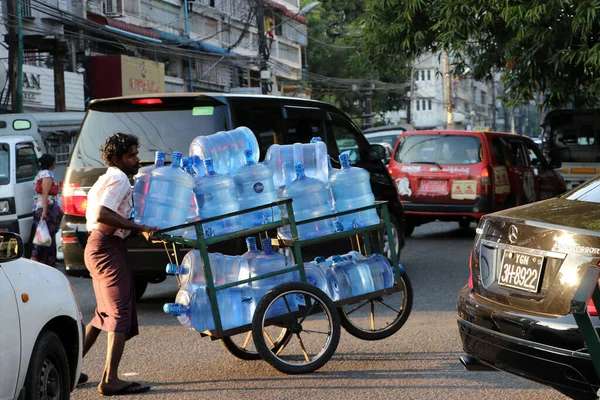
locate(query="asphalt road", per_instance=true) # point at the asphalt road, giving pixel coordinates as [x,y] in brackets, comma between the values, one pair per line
[418,362]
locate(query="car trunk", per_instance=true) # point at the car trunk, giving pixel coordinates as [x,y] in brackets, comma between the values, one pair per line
[534,257]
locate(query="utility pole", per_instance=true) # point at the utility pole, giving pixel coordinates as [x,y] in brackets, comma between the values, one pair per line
[15,55]
[263,52]
[186,5]
[368,121]
[449,120]
[493,102]
[60,103]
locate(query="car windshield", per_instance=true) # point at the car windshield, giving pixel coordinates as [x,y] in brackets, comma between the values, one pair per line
[589,192]
[4,164]
[166,130]
[389,139]
[439,149]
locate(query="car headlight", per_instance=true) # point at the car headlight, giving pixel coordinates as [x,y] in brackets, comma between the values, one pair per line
[4,207]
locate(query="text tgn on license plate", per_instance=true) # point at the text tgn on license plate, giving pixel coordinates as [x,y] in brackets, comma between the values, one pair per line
[521,271]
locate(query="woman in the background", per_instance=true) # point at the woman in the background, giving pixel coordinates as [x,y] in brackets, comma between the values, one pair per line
[46,207]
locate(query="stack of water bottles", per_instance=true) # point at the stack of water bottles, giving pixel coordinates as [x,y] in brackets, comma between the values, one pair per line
[236,304]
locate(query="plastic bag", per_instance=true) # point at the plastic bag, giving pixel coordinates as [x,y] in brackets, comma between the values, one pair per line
[42,235]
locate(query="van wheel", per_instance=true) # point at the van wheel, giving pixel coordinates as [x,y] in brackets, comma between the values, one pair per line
[48,374]
[140,287]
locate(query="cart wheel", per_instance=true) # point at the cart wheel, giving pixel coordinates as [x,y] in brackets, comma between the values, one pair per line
[242,345]
[315,327]
[381,317]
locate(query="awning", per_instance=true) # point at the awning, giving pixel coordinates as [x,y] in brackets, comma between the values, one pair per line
[184,42]
[123,26]
[286,12]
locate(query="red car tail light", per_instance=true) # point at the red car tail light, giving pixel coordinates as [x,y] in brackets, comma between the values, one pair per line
[471,270]
[591,308]
[74,199]
[146,101]
[486,180]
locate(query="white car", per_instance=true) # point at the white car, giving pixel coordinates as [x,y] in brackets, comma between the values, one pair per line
[41,329]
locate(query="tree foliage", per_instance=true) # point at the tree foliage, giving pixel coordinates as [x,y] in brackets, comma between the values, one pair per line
[548,47]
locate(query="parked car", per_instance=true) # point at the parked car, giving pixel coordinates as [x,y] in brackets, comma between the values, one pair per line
[527,262]
[387,136]
[170,122]
[42,328]
[463,175]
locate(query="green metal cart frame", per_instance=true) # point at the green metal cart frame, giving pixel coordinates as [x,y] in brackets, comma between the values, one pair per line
[366,240]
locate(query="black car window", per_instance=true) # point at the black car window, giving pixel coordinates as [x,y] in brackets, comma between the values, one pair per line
[441,149]
[536,159]
[26,159]
[167,130]
[499,149]
[589,192]
[516,147]
[347,138]
[303,123]
[264,118]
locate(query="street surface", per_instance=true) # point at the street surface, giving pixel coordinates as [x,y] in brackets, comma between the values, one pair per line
[418,362]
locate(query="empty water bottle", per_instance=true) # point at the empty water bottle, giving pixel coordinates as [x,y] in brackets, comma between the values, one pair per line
[192,309]
[192,216]
[253,251]
[268,262]
[168,198]
[309,197]
[316,274]
[281,159]
[215,196]
[348,278]
[351,189]
[332,172]
[226,149]
[198,165]
[141,182]
[254,184]
[381,271]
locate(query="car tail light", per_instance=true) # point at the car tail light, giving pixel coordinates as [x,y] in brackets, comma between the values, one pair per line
[486,180]
[146,101]
[591,308]
[74,199]
[471,270]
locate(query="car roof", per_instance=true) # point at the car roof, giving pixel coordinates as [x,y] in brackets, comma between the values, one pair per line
[466,133]
[383,134]
[399,127]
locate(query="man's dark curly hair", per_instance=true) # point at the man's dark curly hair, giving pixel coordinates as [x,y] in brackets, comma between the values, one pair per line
[116,146]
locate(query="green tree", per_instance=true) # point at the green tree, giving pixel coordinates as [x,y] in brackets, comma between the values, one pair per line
[333,52]
[549,47]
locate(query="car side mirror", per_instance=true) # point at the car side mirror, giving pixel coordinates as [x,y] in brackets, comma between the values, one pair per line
[11,246]
[376,152]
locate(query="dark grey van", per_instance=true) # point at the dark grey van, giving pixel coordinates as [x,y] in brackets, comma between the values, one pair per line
[169,122]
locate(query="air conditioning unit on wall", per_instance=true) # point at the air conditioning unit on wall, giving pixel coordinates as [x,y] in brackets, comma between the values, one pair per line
[110,7]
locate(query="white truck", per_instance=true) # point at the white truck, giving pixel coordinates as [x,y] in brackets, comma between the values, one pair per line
[23,139]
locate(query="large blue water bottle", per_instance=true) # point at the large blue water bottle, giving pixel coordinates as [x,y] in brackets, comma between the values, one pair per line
[141,182]
[268,262]
[381,271]
[224,269]
[348,278]
[215,196]
[281,159]
[168,198]
[253,251]
[309,197]
[192,309]
[351,189]
[316,273]
[254,184]
[192,216]
[226,149]
[332,172]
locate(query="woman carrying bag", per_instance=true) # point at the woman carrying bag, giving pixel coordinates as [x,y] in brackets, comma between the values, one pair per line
[47,209]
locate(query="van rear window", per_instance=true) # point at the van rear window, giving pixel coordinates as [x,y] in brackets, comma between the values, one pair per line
[440,149]
[4,164]
[166,130]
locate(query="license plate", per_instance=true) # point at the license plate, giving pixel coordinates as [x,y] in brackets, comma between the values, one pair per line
[430,186]
[521,271]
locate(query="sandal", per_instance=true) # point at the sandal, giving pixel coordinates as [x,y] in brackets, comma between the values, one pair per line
[83,379]
[132,388]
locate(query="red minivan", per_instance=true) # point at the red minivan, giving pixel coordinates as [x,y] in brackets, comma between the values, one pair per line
[462,175]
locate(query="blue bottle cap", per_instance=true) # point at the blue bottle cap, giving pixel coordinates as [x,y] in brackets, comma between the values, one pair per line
[344,161]
[248,154]
[320,259]
[176,159]
[299,168]
[316,139]
[160,155]
[172,268]
[251,242]
[337,259]
[174,309]
[266,244]
[210,169]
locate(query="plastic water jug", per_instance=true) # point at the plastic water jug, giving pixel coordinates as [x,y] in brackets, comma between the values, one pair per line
[226,149]
[253,251]
[348,278]
[351,189]
[198,165]
[216,195]
[192,216]
[332,172]
[141,182]
[281,159]
[224,269]
[268,262]
[168,199]
[254,185]
[381,271]
[309,197]
[192,309]
[316,274]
